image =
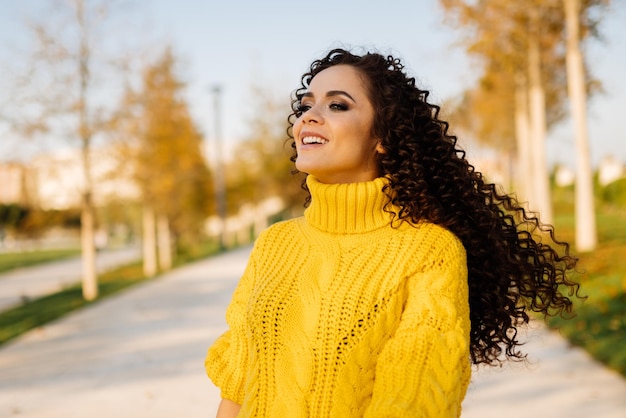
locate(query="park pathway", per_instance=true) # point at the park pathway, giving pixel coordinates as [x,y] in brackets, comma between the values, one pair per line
[36,281]
[140,354]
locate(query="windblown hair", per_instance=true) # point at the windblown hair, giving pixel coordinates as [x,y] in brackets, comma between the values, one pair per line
[511,271]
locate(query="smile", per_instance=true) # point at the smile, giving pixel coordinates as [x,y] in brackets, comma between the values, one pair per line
[313,140]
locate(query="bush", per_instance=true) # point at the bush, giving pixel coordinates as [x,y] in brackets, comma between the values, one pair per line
[12,215]
[31,222]
[615,193]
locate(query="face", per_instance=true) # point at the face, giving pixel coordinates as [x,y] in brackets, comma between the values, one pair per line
[333,134]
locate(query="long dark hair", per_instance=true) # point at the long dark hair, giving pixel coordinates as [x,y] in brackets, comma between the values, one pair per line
[511,271]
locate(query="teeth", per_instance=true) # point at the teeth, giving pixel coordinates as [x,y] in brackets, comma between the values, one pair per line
[313,140]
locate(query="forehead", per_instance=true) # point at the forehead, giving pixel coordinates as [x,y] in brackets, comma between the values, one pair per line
[339,77]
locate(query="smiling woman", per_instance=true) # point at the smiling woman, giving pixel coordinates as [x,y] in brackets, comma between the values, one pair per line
[406,268]
[333,131]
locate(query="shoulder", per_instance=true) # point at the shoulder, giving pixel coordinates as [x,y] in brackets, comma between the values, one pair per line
[279,229]
[430,237]
[438,261]
[433,248]
[443,238]
[277,235]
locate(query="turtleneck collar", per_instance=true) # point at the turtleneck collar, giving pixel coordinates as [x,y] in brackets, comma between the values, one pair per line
[347,208]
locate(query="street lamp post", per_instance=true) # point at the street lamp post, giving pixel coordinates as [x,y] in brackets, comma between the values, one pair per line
[218,175]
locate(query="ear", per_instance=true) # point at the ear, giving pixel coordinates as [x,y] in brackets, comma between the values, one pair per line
[380,149]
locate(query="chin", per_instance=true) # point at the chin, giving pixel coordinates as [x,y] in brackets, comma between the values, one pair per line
[303,167]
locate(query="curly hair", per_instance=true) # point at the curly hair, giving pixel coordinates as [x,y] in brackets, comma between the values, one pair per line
[510,269]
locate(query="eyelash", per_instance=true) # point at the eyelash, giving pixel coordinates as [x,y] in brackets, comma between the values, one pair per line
[338,107]
[301,108]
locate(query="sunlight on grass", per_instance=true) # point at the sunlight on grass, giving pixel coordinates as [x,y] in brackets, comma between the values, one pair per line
[38,312]
[600,324]
[9,261]
[43,310]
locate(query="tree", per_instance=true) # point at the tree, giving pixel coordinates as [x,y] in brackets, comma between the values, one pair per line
[263,161]
[537,118]
[510,102]
[586,234]
[520,46]
[60,96]
[163,148]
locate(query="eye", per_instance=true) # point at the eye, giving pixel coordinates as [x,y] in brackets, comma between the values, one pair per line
[339,106]
[300,108]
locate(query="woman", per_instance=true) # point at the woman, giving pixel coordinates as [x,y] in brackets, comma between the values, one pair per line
[405,268]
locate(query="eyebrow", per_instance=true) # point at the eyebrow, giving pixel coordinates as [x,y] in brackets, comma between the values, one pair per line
[330,94]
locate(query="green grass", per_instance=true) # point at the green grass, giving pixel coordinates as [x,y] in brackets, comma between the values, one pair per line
[48,308]
[38,312]
[10,261]
[600,323]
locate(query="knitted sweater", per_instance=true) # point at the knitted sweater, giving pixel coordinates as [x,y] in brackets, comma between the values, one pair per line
[341,314]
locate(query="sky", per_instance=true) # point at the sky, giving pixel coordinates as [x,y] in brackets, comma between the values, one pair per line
[238,44]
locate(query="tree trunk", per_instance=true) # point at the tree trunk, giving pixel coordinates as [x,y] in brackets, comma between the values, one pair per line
[87,228]
[537,106]
[586,234]
[524,179]
[218,172]
[90,279]
[149,242]
[165,242]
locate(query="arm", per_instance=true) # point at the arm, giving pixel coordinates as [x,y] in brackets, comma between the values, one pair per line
[228,409]
[424,369]
[227,359]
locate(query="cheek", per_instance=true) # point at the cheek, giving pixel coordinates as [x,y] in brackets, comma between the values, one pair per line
[297,126]
[295,132]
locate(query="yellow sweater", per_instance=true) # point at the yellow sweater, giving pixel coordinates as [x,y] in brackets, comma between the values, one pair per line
[339,314]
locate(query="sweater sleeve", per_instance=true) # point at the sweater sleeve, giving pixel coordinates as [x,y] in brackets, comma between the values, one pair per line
[424,369]
[227,359]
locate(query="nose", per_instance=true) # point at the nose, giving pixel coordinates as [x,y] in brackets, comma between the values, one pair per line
[312,116]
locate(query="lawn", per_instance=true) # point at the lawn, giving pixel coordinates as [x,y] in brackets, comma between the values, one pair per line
[48,308]
[600,324]
[38,312]
[9,261]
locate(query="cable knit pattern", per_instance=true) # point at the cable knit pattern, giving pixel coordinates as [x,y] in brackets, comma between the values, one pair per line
[341,314]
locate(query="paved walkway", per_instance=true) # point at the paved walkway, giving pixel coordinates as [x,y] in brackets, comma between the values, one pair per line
[37,281]
[560,381]
[140,354]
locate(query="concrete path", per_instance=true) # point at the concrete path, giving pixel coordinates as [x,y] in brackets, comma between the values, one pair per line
[140,354]
[559,381]
[37,281]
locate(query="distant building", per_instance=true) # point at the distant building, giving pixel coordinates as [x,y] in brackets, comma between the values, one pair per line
[15,184]
[56,180]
